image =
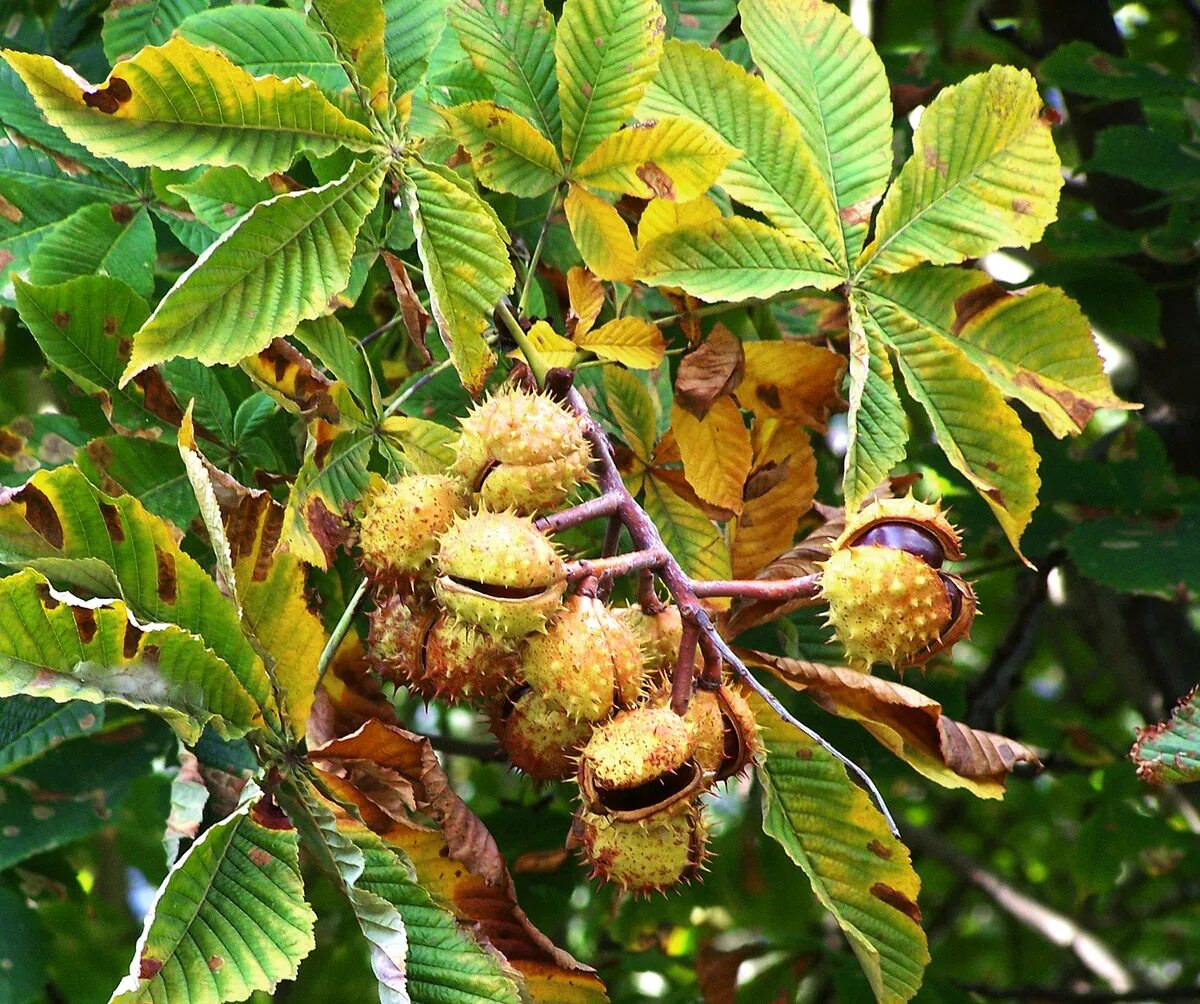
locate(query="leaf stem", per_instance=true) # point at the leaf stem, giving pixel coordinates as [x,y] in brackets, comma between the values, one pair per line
[407,392]
[531,267]
[339,631]
[537,362]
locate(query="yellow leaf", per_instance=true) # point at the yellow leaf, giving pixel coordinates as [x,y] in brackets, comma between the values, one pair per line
[793,381]
[556,350]
[672,158]
[716,452]
[631,341]
[661,216]
[778,492]
[508,154]
[586,295]
[601,236]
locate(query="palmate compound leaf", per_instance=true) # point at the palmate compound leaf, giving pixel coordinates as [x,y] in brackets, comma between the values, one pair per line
[511,42]
[984,174]
[507,153]
[355,30]
[606,52]
[62,526]
[178,105]
[734,259]
[58,646]
[280,265]
[859,872]
[833,82]
[775,173]
[230,918]
[465,263]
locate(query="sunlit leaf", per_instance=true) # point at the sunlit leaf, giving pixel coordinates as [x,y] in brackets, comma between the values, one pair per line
[690,536]
[1169,752]
[662,216]
[791,380]
[631,341]
[601,235]
[411,32]
[507,153]
[716,452]
[355,30]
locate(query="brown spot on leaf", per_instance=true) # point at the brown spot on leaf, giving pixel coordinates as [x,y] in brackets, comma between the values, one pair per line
[10,212]
[657,180]
[85,623]
[110,325]
[109,99]
[1079,410]
[165,562]
[133,638]
[975,302]
[148,968]
[876,848]
[42,516]
[768,393]
[45,596]
[266,812]
[804,753]
[327,528]
[215,962]
[933,160]
[895,898]
[859,212]
[1022,206]
[6,258]
[10,444]
[112,522]
[61,318]
[121,213]
[157,397]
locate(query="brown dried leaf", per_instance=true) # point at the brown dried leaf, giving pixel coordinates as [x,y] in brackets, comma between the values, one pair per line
[908,723]
[712,370]
[291,379]
[416,318]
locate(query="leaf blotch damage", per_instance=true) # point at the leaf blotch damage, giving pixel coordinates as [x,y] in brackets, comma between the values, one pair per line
[898,900]
[85,623]
[167,582]
[41,515]
[112,522]
[109,99]
[148,968]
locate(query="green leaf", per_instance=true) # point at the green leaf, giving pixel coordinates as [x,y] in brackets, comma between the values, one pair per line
[776,173]
[698,20]
[149,470]
[833,82]
[979,433]
[859,872]
[511,42]
[877,427]
[411,33]
[1155,553]
[58,646]
[355,30]
[1150,157]
[427,447]
[689,535]
[229,919]
[1169,752]
[80,326]
[267,40]
[59,524]
[673,158]
[984,174]
[465,264]
[326,339]
[507,153]
[280,265]
[74,789]
[606,52]
[133,24]
[26,947]
[98,240]
[633,410]
[1081,68]
[734,259]
[29,726]
[223,195]
[178,105]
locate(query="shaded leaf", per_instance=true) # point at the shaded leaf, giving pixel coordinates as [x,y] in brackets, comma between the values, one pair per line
[29,726]
[1158,554]
[1080,68]
[716,452]
[710,371]
[178,105]
[111,241]
[601,235]
[632,409]
[507,153]
[150,471]
[280,265]
[129,26]
[223,195]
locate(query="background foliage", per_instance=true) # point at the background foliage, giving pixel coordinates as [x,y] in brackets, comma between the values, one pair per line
[1081,879]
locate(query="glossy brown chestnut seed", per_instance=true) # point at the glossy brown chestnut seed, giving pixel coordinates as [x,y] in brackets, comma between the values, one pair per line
[903,537]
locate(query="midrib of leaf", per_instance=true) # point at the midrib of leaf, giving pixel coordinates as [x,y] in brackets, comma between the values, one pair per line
[543,123]
[970,176]
[587,108]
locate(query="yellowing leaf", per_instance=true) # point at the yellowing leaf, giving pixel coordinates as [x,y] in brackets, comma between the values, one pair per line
[601,236]
[556,350]
[775,173]
[280,265]
[178,105]
[778,492]
[507,153]
[689,535]
[984,174]
[794,381]
[586,296]
[979,433]
[606,52]
[734,259]
[673,158]
[716,452]
[833,82]
[355,29]
[662,216]
[859,871]
[631,341]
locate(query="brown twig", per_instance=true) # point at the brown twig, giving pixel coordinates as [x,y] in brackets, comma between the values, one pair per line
[804,586]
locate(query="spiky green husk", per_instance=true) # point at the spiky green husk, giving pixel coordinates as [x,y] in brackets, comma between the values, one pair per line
[484,558]
[401,522]
[539,737]
[460,663]
[636,747]
[522,450]
[651,856]
[586,659]
[885,605]
[395,637]
[658,635]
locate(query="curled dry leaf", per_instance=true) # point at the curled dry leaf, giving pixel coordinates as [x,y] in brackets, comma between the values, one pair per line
[908,723]
[413,313]
[291,379]
[713,369]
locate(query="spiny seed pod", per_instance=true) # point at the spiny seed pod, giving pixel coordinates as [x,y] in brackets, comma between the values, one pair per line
[459,663]
[724,732]
[496,571]
[539,737]
[400,524]
[642,858]
[586,661]
[522,450]
[639,765]
[658,635]
[397,630]
[888,599]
